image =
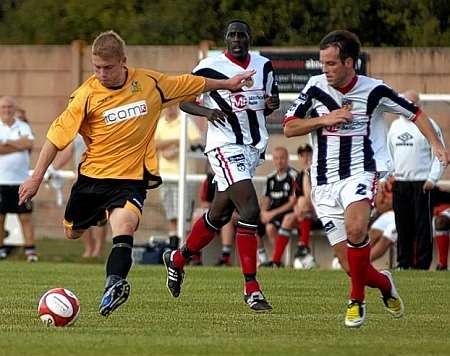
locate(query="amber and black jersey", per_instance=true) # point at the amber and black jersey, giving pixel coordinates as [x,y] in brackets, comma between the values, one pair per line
[118,125]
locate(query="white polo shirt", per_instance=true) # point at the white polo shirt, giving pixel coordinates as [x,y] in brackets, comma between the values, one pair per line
[14,166]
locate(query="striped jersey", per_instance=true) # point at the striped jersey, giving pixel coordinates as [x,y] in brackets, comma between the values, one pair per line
[343,150]
[245,109]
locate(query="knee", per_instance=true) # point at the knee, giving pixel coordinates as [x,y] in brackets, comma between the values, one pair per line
[356,233]
[288,221]
[218,220]
[441,223]
[250,214]
[128,228]
[73,234]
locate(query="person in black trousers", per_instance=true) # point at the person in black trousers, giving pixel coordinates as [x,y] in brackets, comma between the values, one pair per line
[416,172]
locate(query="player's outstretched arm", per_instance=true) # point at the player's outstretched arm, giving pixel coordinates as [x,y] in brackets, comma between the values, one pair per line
[234,84]
[30,187]
[215,116]
[425,126]
[303,127]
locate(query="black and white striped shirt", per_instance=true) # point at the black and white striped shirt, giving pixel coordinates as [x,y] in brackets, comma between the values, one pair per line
[347,149]
[246,123]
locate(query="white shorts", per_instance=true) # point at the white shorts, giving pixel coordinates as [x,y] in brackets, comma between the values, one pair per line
[386,223]
[331,200]
[233,163]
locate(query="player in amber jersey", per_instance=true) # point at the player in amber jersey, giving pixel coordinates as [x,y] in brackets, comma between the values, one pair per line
[116,111]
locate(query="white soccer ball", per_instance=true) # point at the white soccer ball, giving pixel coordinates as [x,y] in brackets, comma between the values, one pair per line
[335,264]
[58,307]
[305,262]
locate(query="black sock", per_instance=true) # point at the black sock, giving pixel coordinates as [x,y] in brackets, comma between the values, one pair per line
[250,277]
[186,253]
[119,260]
[29,249]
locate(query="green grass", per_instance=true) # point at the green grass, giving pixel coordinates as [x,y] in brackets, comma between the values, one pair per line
[210,317]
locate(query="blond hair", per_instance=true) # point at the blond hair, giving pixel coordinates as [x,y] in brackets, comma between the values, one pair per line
[109,45]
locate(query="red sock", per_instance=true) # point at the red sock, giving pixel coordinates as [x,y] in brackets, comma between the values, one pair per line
[251,286]
[358,261]
[305,230]
[200,236]
[178,259]
[442,243]
[246,245]
[375,279]
[280,244]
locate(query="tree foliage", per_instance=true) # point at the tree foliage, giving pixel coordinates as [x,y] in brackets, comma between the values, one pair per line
[274,22]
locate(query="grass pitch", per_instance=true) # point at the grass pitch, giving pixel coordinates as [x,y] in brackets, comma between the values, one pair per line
[210,317]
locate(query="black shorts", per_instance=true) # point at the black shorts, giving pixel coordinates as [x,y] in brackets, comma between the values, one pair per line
[278,219]
[9,201]
[91,198]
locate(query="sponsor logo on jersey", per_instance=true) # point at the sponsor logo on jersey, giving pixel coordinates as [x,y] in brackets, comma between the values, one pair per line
[125,112]
[357,127]
[277,195]
[252,100]
[404,138]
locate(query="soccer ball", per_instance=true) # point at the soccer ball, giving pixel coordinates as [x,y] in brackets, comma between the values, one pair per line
[58,307]
[305,262]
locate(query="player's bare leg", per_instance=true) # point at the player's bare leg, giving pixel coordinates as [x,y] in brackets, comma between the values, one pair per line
[28,233]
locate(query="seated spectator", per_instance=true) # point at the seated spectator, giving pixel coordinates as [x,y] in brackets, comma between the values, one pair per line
[306,219]
[282,189]
[382,232]
[441,225]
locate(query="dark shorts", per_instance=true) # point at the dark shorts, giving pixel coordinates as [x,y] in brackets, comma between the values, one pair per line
[91,198]
[9,201]
[278,219]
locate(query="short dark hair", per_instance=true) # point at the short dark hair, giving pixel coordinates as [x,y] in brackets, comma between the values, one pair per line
[304,148]
[249,30]
[347,42]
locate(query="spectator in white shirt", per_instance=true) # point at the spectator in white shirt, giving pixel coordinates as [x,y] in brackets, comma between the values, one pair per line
[416,171]
[16,141]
